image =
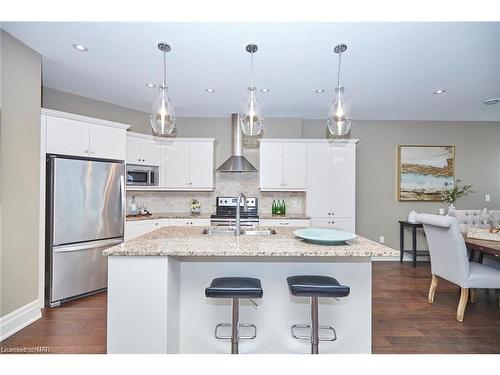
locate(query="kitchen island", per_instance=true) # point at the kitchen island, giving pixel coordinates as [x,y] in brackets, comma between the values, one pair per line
[156,284]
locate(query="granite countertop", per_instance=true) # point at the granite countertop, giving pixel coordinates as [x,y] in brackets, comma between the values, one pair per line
[169,215]
[189,241]
[285,217]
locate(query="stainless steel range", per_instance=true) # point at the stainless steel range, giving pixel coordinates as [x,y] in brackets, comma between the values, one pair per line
[225,213]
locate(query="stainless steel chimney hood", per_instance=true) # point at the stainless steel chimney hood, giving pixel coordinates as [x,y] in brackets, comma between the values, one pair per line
[236,162]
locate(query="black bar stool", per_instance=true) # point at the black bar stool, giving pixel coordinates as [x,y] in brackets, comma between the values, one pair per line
[235,288]
[315,287]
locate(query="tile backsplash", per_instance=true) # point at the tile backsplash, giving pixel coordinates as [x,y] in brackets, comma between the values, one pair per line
[227,184]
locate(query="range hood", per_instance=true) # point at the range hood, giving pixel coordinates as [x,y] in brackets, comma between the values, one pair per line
[236,162]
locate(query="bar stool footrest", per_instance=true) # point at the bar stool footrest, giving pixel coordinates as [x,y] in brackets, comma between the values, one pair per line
[242,325]
[308,326]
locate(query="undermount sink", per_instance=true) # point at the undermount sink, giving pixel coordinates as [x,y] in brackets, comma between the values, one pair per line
[252,231]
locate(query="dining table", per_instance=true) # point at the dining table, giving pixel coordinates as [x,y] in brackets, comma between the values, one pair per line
[483,247]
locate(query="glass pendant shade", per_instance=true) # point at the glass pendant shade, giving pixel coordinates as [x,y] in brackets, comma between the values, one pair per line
[162,117]
[251,119]
[339,118]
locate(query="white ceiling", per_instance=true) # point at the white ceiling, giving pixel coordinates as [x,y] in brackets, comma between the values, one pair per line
[390,70]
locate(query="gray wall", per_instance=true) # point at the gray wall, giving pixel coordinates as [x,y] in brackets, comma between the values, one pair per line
[477,148]
[19,173]
[477,154]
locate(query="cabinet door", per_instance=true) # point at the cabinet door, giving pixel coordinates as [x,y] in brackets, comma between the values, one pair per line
[318,194]
[67,137]
[135,229]
[107,142]
[150,151]
[344,224]
[271,166]
[177,171]
[294,166]
[343,180]
[201,165]
[134,150]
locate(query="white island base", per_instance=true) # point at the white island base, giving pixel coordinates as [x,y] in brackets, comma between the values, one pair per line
[157,304]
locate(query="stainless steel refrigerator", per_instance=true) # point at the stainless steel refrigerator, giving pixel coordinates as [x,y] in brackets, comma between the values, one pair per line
[85,215]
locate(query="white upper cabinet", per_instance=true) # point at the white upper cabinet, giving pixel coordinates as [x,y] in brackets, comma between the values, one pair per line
[271,166]
[143,151]
[201,165]
[175,166]
[283,165]
[73,135]
[67,137]
[107,142]
[295,166]
[188,165]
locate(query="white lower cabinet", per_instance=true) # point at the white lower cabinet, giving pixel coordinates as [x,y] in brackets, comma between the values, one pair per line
[284,222]
[137,228]
[348,224]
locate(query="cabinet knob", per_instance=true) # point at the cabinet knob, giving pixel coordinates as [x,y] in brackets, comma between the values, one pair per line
[143,160]
[93,152]
[138,159]
[190,183]
[86,151]
[329,213]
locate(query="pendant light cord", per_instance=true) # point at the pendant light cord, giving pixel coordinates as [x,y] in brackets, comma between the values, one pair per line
[164,72]
[251,70]
[338,73]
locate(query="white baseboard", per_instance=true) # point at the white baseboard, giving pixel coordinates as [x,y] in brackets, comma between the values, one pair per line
[20,318]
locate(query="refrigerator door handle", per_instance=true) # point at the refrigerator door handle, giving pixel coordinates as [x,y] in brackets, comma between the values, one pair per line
[123,198]
[87,245]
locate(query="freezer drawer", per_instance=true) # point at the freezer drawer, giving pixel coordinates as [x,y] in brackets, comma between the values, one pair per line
[78,271]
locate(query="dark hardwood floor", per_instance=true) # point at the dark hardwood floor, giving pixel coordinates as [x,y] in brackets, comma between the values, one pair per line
[75,327]
[403,321]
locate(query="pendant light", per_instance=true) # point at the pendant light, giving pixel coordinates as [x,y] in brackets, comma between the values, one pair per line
[251,120]
[162,117]
[339,118]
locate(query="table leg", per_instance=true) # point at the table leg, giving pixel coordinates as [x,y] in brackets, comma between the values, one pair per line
[414,245]
[481,257]
[471,255]
[401,242]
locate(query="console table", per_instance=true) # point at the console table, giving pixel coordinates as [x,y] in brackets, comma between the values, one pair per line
[413,251]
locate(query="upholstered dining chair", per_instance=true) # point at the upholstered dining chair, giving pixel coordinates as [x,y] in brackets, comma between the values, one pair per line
[449,260]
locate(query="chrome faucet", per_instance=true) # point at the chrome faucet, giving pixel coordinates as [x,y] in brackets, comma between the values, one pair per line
[237,229]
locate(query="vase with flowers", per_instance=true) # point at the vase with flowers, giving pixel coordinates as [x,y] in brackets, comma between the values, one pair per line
[451,195]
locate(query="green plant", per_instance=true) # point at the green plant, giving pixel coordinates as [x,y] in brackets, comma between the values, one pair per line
[457,191]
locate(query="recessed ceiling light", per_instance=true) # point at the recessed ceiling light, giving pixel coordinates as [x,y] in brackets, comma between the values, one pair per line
[150,85]
[492,101]
[440,91]
[210,91]
[264,90]
[319,91]
[80,47]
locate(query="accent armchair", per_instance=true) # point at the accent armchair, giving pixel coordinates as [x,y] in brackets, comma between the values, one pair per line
[449,260]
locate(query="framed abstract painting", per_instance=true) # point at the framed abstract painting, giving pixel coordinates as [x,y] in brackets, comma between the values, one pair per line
[424,172]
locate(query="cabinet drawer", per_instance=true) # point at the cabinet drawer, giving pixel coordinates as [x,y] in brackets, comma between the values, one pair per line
[284,222]
[191,222]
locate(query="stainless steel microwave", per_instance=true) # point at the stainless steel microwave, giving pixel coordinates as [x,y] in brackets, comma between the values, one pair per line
[140,175]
